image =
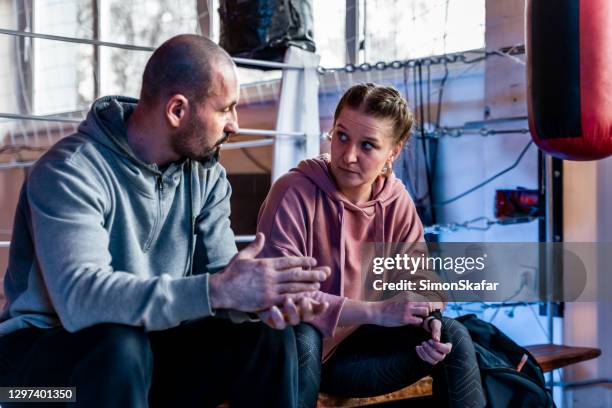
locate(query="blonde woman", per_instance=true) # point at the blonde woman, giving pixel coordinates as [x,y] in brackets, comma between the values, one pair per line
[327,208]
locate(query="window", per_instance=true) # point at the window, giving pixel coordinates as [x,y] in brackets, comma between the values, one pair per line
[139,22]
[329,32]
[403,29]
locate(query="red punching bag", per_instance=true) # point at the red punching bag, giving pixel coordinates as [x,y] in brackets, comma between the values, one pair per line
[569,77]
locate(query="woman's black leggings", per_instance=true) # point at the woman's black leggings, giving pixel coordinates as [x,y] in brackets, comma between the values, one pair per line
[376,360]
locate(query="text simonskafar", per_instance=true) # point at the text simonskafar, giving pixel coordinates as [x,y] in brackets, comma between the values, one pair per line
[428,285]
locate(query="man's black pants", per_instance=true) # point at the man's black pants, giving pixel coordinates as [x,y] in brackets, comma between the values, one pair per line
[201,363]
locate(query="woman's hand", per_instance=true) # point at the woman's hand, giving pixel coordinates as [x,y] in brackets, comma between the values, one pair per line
[432,351]
[400,312]
[292,312]
[434,326]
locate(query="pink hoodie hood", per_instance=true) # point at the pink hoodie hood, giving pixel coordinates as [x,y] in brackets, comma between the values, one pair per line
[386,190]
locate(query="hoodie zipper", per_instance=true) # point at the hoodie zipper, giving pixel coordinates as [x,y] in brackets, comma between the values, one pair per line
[191,242]
[157,221]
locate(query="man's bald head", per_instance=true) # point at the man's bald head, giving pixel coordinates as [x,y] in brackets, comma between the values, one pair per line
[184,64]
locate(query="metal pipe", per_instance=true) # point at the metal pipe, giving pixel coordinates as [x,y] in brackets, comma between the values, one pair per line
[19,116]
[241,61]
[16,165]
[548,253]
[245,132]
[548,166]
[229,146]
[75,40]
[265,64]
[97,67]
[241,239]
[247,143]
[497,121]
[264,132]
[583,383]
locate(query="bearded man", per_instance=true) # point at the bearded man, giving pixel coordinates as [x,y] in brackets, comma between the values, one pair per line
[124,280]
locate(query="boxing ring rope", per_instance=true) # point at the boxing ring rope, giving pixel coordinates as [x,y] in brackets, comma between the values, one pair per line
[75,40]
[267,135]
[241,131]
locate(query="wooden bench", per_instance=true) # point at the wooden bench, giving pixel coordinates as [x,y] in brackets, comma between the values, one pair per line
[549,356]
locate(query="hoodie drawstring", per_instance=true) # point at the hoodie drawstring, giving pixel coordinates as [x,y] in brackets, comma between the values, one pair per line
[342,245]
[379,221]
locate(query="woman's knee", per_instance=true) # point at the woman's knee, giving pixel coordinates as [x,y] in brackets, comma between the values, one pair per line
[457,334]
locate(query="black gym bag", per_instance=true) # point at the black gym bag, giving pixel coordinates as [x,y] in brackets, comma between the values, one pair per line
[498,359]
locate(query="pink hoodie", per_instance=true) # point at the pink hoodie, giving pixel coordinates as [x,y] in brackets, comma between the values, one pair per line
[305,215]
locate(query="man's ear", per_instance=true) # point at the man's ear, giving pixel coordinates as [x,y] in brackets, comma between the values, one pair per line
[176,110]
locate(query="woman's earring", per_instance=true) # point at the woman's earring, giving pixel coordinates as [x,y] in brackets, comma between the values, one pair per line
[386,168]
[389,166]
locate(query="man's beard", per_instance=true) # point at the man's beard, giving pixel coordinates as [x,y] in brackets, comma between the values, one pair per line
[190,142]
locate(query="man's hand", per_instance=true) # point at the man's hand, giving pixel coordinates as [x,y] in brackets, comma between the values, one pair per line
[399,312]
[292,312]
[248,284]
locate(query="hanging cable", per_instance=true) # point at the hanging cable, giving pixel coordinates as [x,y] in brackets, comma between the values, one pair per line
[480,185]
[481,223]
[426,157]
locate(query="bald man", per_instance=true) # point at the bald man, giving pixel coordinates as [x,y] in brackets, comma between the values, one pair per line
[124,280]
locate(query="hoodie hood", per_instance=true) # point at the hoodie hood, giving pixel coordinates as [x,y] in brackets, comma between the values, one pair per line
[106,123]
[372,212]
[386,189]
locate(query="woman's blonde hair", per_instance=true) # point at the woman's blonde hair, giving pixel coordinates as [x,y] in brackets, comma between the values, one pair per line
[384,102]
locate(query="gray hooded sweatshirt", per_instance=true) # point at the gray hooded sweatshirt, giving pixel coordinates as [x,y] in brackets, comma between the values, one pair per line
[102,237]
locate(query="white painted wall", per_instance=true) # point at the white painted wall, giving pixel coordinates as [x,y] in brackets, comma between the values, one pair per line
[587,199]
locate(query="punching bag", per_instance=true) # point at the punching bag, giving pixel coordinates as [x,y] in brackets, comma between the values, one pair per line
[569,77]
